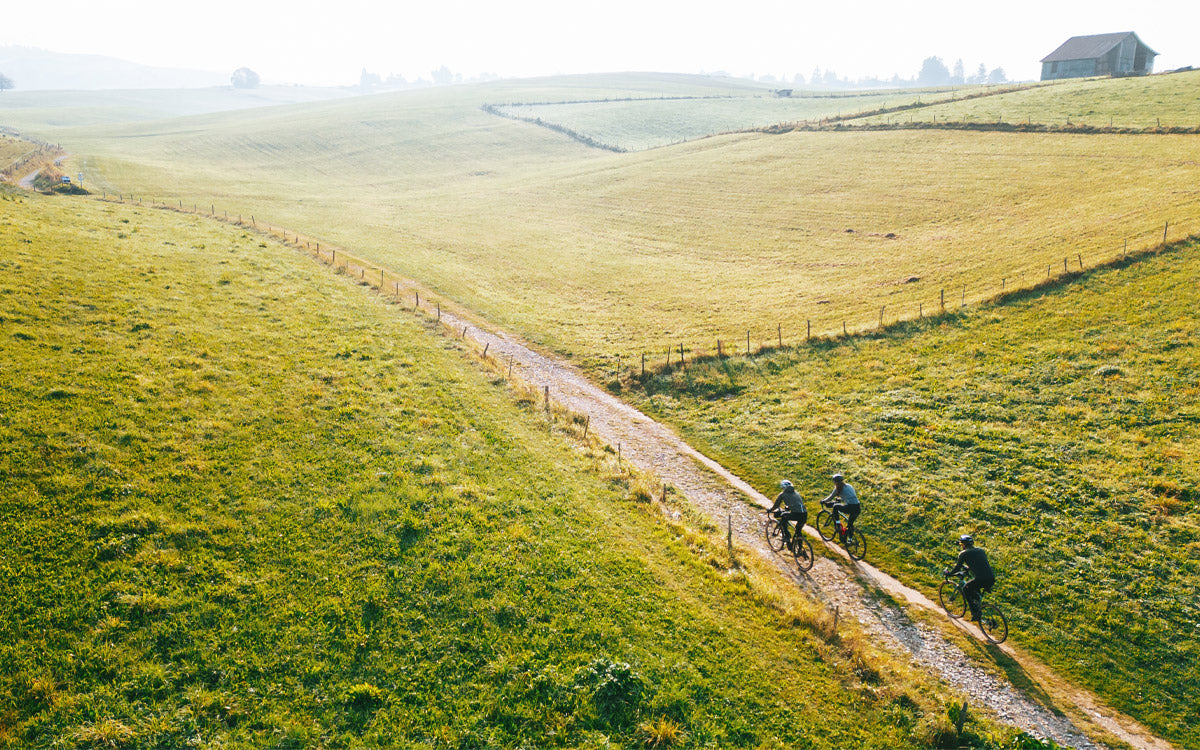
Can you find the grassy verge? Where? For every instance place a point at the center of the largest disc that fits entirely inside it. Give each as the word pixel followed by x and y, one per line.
pixel 1061 428
pixel 248 504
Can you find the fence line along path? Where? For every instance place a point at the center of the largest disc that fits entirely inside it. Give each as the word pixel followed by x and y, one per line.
pixel 722 496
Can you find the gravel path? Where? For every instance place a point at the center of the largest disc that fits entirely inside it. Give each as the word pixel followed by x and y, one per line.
pixel 838 583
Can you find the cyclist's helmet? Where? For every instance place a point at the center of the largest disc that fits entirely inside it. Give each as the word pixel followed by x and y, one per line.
pixel 967 539
pixel 785 484
pixel 837 476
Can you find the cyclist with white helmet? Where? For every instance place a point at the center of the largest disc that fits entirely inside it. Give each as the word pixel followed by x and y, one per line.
pixel 843 500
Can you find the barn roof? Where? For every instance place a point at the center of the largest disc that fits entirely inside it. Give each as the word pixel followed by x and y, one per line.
pixel 1089 47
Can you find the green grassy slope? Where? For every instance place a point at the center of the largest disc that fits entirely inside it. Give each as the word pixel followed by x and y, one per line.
pixel 49 110
pixel 248 503
pixel 640 123
pixel 1170 100
pixel 681 245
pixel 1062 429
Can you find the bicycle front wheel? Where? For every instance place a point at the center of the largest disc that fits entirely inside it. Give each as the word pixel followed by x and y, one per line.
pixel 825 525
pixel 774 534
pixel 952 599
pixel 993 623
pixel 856 545
pixel 803 552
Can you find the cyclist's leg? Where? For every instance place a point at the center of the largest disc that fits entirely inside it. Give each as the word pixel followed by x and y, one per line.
pixel 972 593
pixel 852 512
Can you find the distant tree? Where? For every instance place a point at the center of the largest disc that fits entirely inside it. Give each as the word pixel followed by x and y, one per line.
pixel 443 76
pixel 244 78
pixel 798 79
pixel 980 75
pixel 933 72
pixel 997 76
pixel 958 77
pixel 831 79
pixel 816 76
pixel 5 82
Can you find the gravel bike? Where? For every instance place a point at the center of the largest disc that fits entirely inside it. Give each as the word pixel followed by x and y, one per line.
pixel 953 599
pixel 800 547
pixel 833 524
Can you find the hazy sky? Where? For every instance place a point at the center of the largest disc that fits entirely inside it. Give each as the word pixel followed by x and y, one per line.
pixel 329 43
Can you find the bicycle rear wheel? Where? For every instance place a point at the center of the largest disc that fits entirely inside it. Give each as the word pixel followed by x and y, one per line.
pixel 952 599
pixel 824 525
pixel 803 552
pixel 993 623
pixel 774 534
pixel 856 545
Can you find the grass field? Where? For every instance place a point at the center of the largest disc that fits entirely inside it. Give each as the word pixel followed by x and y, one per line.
pixel 600 255
pixel 47 110
pixel 1169 100
pixel 603 255
pixel 248 503
pixel 1062 429
pixel 636 124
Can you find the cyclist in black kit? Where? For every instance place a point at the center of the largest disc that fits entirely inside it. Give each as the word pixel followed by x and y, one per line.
pixel 793 510
pixel 975 560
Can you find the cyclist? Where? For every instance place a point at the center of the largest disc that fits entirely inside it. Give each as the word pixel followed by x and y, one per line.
pixel 975 560
pixel 793 510
pixel 846 502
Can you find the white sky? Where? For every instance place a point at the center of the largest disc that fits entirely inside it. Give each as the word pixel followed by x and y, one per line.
pixel 328 43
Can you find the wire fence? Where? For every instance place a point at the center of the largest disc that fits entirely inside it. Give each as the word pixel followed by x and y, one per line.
pixel 752 340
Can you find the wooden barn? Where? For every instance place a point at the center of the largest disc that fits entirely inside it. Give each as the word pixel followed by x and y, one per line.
pixel 1099 55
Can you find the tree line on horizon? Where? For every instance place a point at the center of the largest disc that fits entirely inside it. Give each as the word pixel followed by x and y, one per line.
pixel 933 72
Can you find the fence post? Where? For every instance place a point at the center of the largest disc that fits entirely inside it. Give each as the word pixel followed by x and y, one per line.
pixel 881 315
pixel 1064 265
pixel 779 330
pixel 747 343
pixel 643 364
pixel 547 398
pixel 587 422
pixel 1165 226
pixel 943 299
pixel 808 329
pixel 418 305
pixel 439 311
pixel 1079 256
pixel 964 297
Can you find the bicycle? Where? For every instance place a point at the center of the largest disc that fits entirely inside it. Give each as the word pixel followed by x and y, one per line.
pixel 953 598
pixel 828 527
pixel 800 547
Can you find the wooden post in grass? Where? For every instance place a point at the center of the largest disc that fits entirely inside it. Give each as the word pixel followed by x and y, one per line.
pixel 439 311
pixel 807 329
pixel 1165 226
pixel 779 330
pixel 547 398
pixel 1079 256
pixel 485 348
pixel 587 422
pixel 643 365
pixel 1125 249
pixel 681 354
pixel 395 284
pixel 747 343
pixel 418 294
pixel 964 297
pixel 1002 281
pixel 920 309
pixel 1047 270
pixel 1064 265
pixel 510 361
pixel 253 223
pixel 881 315
pixel 381 278
pixel 943 299
pixel 729 537
pixel 844 331
pixel 720 351
pixel 213 209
